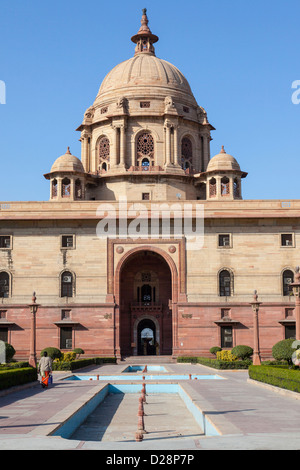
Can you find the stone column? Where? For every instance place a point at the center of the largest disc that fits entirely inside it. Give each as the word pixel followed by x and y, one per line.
pixel 175 160
pixel 168 143
pixel 256 352
pixel 33 309
pixel 85 151
pixel 72 188
pixel 122 146
pixel 114 159
pixel 133 150
pixel 59 187
pixel 218 188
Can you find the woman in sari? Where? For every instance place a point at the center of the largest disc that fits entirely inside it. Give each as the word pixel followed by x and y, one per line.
pixel 45 367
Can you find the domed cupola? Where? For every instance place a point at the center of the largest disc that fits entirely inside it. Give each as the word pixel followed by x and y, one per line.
pixel 67 178
pixel 223 177
pixel 145 123
pixel 144 39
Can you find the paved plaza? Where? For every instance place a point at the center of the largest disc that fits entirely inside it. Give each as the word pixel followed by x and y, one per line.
pixel 248 416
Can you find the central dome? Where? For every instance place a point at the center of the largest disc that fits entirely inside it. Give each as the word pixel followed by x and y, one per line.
pixel 145 70
pixel 145 75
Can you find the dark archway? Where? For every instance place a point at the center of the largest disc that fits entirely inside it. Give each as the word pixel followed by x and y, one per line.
pixel 146 338
pixel 145 293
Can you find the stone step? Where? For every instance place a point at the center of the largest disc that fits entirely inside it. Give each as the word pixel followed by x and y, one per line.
pixel 147 360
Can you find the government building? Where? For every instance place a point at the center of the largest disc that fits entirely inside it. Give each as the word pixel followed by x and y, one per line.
pixel 146 246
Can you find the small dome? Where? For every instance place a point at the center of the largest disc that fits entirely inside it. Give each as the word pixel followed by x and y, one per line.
pixel 67 163
pixel 223 161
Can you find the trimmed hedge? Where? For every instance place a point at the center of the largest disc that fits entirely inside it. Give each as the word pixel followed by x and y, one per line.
pixel 10 378
pixel 14 365
pixel 215 363
pixel 79 363
pixel 288 379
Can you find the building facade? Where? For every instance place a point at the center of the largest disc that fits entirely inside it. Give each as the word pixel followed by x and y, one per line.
pixel 146 245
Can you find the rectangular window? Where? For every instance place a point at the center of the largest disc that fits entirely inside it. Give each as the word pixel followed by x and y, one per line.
pixel 145 104
pixel 186 109
pixel 68 241
pixel 289 312
pixel 290 332
pixel 66 337
pixel 5 241
pixel 225 312
pixel 104 110
pixel 287 239
pixel 146 196
pixel 226 337
pixel 65 314
pixel 4 334
pixel 3 314
pixel 224 240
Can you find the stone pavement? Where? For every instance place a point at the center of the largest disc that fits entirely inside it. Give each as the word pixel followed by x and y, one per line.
pixel 250 416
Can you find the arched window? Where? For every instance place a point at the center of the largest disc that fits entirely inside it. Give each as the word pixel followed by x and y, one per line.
pixel 66 187
pixel 54 188
pixel 225 283
pixel 104 152
pixel 212 187
pixel 67 284
pixel 186 153
pixel 236 188
pixel 225 186
pixel 4 284
pixel 146 293
pixel 145 149
pixel 78 189
pixel 287 279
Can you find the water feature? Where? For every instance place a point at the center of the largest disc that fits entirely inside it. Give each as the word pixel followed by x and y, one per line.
pixel 165 377
pixel 202 424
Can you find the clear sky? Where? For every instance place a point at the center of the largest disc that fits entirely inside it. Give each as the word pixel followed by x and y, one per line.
pixel 239 57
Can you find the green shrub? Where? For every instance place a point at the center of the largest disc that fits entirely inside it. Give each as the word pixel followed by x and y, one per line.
pixel 79 363
pixel 226 356
pixel 78 352
pixel 242 351
pixel 13 377
pixel 215 363
pixel 279 377
pixel 282 351
pixel 215 349
pixel 54 353
pixel 9 352
pixel 14 365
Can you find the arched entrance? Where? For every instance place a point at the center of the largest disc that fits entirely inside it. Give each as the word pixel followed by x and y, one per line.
pixel 145 297
pixel 146 338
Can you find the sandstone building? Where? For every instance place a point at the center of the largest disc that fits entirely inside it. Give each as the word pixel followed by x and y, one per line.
pixel 146 147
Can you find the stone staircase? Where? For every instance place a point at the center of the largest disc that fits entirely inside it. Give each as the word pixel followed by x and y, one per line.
pixel 147 360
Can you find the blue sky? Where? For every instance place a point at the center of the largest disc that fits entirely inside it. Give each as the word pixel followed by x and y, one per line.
pixel 239 57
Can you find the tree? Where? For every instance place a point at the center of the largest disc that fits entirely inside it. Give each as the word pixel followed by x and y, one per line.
pixel 282 351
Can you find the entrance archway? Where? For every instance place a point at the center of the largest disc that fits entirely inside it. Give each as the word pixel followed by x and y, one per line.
pixel 145 297
pixel 146 338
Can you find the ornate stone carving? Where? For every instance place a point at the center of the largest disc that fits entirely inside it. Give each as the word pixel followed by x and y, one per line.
pixel 122 104
pixel 169 104
pixel 202 115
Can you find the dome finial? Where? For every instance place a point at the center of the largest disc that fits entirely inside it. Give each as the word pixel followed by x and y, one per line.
pixel 222 150
pixel 144 39
pixel 68 151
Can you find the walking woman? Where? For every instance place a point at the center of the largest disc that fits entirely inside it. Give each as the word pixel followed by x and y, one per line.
pixel 45 367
